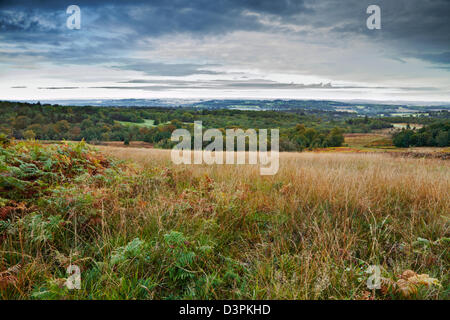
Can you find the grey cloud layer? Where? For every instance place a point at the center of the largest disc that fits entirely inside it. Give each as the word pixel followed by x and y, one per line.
pixel 420 26
pixel 162 85
pixel 112 31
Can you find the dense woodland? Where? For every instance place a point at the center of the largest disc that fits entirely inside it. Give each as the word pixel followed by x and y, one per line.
pixel 298 130
pixel 433 135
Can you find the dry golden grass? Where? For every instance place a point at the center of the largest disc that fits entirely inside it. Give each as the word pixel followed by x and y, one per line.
pixel 150 229
pixel 367 180
pixel 326 213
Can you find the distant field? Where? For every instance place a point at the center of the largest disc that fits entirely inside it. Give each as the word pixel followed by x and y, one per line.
pixel 378 142
pixel 147 123
pixel 405 125
pixel 363 139
pixel 369 142
pixel 133 144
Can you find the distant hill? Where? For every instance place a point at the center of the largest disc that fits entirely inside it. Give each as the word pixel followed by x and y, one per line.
pixel 371 108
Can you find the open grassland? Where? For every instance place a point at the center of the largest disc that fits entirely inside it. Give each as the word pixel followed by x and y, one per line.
pixel 381 142
pixel 148 229
pixel 368 141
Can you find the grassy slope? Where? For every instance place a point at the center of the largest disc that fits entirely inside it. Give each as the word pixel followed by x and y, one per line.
pixel 153 230
pixel 379 141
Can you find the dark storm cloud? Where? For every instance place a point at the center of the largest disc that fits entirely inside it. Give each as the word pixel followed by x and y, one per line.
pixel 13 22
pixel 160 16
pixel 285 7
pixel 109 29
pixel 416 28
pixel 412 28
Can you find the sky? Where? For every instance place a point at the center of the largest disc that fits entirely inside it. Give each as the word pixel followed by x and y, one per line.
pixel 251 49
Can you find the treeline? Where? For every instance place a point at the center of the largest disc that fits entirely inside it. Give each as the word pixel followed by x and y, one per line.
pixel 424 118
pixel 300 137
pixel 366 124
pixel 54 122
pixel 433 135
